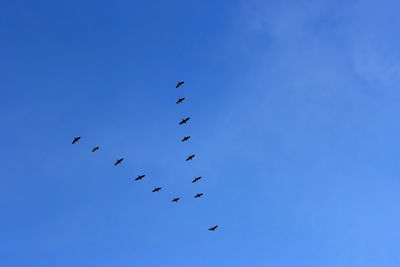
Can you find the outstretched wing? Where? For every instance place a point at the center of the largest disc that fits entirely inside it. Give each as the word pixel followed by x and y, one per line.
pixel 179 84
pixel 196 179
pixel 213 228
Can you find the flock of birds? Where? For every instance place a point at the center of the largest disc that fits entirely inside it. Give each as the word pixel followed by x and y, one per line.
pixel 184 139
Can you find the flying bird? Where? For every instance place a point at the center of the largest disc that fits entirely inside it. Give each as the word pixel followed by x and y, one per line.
pixel 198 195
pixel 180 100
pixel 179 84
pixel 156 189
pixel 118 161
pixel 185 138
pixel 213 228
pixel 190 157
pixel 140 177
pixel 95 149
pixel 183 121
pixel 196 179
pixel 76 139
pixel 175 199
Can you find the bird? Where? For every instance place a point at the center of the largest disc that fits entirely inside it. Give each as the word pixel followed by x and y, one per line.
pixel 198 195
pixel 156 189
pixel 180 100
pixel 95 148
pixel 179 84
pixel 196 179
pixel 190 157
pixel 185 138
pixel 175 199
pixel 76 139
pixel 118 161
pixel 184 121
pixel 213 228
pixel 140 177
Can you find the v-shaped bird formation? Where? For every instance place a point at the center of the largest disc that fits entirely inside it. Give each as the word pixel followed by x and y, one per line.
pixel 189 157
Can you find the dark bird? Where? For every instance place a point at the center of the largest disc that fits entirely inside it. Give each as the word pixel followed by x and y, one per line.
pixel 179 84
pixel 213 228
pixel 190 157
pixel 76 139
pixel 184 121
pixel 185 138
pixel 175 199
pixel 118 161
pixel 95 149
pixel 196 179
pixel 140 177
pixel 180 100
pixel 156 189
pixel 198 195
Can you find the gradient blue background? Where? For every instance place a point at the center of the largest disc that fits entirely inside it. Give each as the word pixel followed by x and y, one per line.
pixel 295 127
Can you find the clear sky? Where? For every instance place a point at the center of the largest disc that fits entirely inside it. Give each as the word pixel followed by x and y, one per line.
pixel 295 126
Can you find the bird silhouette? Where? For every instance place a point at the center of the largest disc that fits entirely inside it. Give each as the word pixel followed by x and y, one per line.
pixel 183 121
pixel 190 157
pixel 179 84
pixel 196 179
pixel 76 139
pixel 156 189
pixel 198 195
pixel 175 199
pixel 140 177
pixel 95 149
pixel 118 161
pixel 185 138
pixel 213 228
pixel 180 100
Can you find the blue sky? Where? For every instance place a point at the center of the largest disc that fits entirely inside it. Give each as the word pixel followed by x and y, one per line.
pixel 294 108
